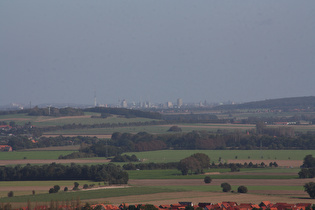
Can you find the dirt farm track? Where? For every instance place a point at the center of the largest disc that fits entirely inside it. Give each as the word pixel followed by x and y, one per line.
pixel 289 196
pixel 215 197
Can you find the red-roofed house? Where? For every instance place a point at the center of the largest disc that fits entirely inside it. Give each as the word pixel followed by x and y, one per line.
pixel 5 148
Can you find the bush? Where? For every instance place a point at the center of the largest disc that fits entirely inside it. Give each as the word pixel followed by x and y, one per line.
pixel 51 190
pixel 242 189
pixel 10 194
pixel 56 188
pixel 310 189
pixel 76 186
pixel 65 189
pixel 226 187
pixel 85 186
pixel 207 179
pixel 175 129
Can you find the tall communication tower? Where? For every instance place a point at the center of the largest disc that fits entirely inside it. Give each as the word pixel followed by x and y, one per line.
pixel 95 98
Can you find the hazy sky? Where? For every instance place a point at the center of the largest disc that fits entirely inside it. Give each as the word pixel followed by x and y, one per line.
pixel 63 51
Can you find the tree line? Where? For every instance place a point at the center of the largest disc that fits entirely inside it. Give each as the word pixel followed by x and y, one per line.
pixel 143 141
pixel 128 113
pixel 25 142
pixel 195 164
pixel 110 173
pixel 56 112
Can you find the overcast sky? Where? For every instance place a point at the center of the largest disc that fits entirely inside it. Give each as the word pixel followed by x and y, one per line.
pixel 63 51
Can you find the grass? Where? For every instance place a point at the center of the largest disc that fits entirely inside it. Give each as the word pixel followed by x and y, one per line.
pixel 106 193
pixel 164 156
pixel 109 131
pixel 176 174
pixel 42 121
pixel 85 195
pixel 37 155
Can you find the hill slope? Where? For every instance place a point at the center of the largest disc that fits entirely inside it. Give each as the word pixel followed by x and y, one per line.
pixel 307 102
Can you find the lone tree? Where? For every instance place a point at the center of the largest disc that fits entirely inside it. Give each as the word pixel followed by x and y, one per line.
pixel 242 189
pixel 175 128
pixel 10 194
pixel 207 179
pixel 310 189
pixel 76 186
pixel 189 164
pixel 195 164
pixel 226 187
pixel 56 188
pixel 308 167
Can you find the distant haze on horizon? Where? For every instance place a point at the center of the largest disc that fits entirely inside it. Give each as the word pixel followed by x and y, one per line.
pixel 65 51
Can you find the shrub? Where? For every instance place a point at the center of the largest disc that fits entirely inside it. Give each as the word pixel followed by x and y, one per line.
pixel 65 189
pixel 10 194
pixel 207 179
pixel 226 187
pixel 76 186
pixel 56 188
pixel 85 186
pixel 242 189
pixel 51 190
pixel 175 129
pixel 310 189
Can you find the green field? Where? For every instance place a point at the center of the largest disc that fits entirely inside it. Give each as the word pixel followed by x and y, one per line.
pixel 91 194
pixel 125 191
pixel 176 174
pixel 165 156
pixel 109 131
pixel 42 121
pixel 37 155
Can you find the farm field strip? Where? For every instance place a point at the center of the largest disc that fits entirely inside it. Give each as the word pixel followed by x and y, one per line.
pixel 86 119
pixel 110 131
pixel 88 194
pixel 174 174
pixel 266 156
pixel 154 190
pixel 38 155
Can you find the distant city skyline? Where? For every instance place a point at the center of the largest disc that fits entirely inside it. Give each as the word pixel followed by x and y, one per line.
pixel 158 51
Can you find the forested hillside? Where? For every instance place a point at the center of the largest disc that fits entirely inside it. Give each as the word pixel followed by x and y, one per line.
pixel 282 103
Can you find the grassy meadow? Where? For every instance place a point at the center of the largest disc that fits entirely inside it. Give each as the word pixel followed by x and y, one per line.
pixel 85 119
pixel 36 155
pixel 164 156
pixel 88 194
pixel 216 174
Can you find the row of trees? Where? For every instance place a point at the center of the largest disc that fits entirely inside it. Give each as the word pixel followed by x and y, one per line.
pixel 142 141
pixel 206 140
pixel 125 158
pixel 100 125
pixel 110 173
pixel 56 112
pixel 24 142
pixel 128 113
pixel 176 165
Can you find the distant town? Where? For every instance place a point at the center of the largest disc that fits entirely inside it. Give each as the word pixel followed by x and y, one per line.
pixel 179 103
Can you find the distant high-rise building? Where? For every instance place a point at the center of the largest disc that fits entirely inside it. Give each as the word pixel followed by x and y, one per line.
pixel 124 103
pixel 169 104
pixel 179 102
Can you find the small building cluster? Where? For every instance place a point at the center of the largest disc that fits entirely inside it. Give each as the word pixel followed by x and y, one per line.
pixel 264 205
pixel 5 148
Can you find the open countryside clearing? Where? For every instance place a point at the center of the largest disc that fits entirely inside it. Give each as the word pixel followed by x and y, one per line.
pixel 255 196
